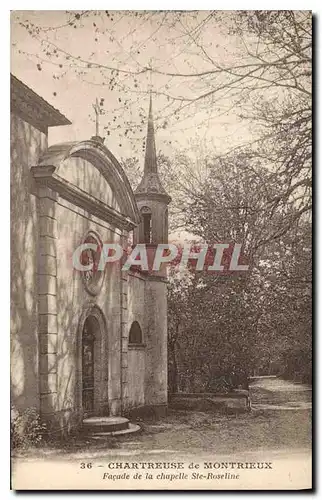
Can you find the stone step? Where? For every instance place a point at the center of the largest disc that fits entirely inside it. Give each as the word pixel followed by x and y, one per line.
pixel 94 425
pixel 133 428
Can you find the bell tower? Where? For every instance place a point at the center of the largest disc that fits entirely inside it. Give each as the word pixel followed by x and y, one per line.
pixel 151 197
pixel 153 201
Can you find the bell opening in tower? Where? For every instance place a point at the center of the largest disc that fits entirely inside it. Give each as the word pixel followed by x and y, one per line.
pixel 147 228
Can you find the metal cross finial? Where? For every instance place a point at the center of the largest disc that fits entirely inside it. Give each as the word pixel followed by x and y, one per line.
pixel 150 85
pixel 97 110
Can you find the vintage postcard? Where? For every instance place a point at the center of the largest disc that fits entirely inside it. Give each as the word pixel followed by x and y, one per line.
pixel 161 255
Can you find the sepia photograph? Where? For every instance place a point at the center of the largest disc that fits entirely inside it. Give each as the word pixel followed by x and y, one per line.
pixel 161 250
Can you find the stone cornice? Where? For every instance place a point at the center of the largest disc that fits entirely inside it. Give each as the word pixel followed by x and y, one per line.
pixel 47 176
pixel 33 108
pixel 163 197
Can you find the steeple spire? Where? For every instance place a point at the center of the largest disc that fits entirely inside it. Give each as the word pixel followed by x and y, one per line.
pixel 150 162
pixel 151 197
pixel 150 183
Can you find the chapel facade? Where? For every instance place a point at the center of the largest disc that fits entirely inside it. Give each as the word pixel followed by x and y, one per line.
pixel 82 343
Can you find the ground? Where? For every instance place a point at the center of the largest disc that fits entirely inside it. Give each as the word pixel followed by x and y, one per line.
pixel 277 428
pixel 280 420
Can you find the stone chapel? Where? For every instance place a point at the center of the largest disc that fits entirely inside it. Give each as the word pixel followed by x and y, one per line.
pixel 82 344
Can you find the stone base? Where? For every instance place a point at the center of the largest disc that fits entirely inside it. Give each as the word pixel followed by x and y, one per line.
pixel 105 424
pixel 148 412
pixel 101 427
pixel 233 402
pixel 132 429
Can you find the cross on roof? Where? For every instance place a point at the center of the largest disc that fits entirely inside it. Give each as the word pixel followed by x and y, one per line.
pixel 150 86
pixel 97 110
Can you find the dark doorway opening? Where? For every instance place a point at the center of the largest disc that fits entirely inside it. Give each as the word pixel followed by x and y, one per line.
pixel 88 340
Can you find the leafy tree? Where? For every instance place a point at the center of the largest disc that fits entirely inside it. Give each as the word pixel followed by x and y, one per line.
pixel 230 325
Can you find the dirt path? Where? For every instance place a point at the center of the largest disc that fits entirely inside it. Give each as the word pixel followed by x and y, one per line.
pixel 269 393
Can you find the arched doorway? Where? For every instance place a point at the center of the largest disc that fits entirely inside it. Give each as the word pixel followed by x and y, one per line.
pixel 92 363
pixel 88 363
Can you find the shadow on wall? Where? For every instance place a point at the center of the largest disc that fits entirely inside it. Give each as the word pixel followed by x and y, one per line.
pixel 27 143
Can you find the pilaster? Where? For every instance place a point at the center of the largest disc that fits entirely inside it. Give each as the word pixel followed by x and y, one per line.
pixel 47 301
pixel 124 331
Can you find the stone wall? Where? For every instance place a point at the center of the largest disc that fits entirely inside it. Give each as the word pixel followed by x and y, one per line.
pixel 155 327
pixel 27 144
pixel 147 364
pixel 136 376
pixel 135 355
pixel 232 402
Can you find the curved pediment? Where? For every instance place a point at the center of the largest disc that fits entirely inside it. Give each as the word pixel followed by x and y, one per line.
pixel 87 173
pixel 83 174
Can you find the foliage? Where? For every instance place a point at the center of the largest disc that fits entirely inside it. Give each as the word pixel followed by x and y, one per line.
pixel 232 325
pixel 26 428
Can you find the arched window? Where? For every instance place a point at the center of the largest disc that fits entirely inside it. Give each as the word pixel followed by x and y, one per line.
pixel 146 217
pixel 135 336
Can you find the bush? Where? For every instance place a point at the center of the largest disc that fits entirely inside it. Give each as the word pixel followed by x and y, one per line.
pixel 26 428
pixel 220 384
pixel 298 365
